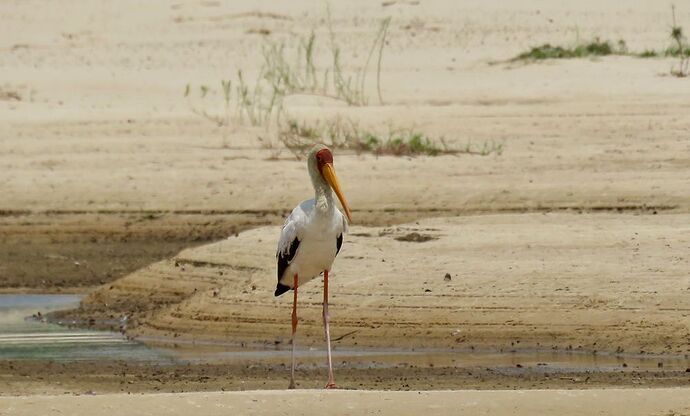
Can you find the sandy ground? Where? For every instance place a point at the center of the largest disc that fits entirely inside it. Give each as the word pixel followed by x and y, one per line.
pixel 101 149
pixel 574 238
pixel 550 281
pixel 495 403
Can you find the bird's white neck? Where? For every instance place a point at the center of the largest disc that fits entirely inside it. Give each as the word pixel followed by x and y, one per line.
pixel 323 194
pixel 323 197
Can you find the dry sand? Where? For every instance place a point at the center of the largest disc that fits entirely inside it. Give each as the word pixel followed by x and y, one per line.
pixel 594 282
pixel 102 149
pixel 631 402
pixel 576 237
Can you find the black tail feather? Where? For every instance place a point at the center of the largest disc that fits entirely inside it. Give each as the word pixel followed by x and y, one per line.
pixel 280 289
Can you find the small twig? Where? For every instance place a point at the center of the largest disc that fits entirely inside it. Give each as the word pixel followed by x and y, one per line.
pixel 345 335
pixel 384 31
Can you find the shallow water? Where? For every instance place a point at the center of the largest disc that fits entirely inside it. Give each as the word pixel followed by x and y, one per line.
pixel 25 335
pixel 549 361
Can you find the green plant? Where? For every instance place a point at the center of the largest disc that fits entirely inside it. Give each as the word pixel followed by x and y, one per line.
pixel 676 52
pixel 283 73
pixel 301 74
pixel 648 53
pixel 597 47
pixel 338 133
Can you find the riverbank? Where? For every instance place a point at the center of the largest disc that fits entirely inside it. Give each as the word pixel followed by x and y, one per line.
pixel 560 216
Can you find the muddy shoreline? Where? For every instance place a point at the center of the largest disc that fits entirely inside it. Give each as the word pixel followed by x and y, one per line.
pixel 75 252
pixel 21 377
pixel 63 252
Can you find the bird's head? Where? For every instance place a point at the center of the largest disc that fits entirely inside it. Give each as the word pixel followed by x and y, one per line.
pixel 320 161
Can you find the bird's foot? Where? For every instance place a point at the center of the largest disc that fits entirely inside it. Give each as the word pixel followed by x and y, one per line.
pixel 330 385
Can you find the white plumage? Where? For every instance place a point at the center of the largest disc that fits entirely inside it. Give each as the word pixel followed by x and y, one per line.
pixel 309 241
pixel 318 231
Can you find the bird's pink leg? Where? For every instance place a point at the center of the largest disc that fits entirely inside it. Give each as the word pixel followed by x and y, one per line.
pixel 294 330
pixel 326 319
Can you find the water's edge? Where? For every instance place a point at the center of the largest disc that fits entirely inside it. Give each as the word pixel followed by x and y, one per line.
pixel 26 334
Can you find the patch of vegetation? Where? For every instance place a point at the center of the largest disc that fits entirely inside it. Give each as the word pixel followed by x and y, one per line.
pixel 257 104
pixel 648 53
pixel 677 52
pixel 289 71
pixel 338 133
pixel 680 49
pixel 402 143
pixel 347 88
pixel 670 52
pixel 596 47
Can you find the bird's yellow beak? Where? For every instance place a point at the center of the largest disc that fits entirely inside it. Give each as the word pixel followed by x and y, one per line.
pixel 328 173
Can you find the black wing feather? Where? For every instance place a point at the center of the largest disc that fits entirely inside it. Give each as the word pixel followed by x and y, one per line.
pixel 338 244
pixel 283 263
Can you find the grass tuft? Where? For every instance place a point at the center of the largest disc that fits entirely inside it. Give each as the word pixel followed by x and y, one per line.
pixel 677 52
pixel 338 133
pixel 680 49
pixel 648 53
pixel 288 71
pixel 595 48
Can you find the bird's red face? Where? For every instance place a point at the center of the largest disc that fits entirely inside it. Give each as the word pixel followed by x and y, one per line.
pixel 323 156
pixel 324 161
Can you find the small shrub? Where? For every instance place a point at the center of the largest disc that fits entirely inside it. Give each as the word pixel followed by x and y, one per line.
pixel 339 133
pixel 648 53
pixel 595 48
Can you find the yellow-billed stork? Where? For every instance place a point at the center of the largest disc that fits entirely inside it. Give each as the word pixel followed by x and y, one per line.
pixel 309 241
